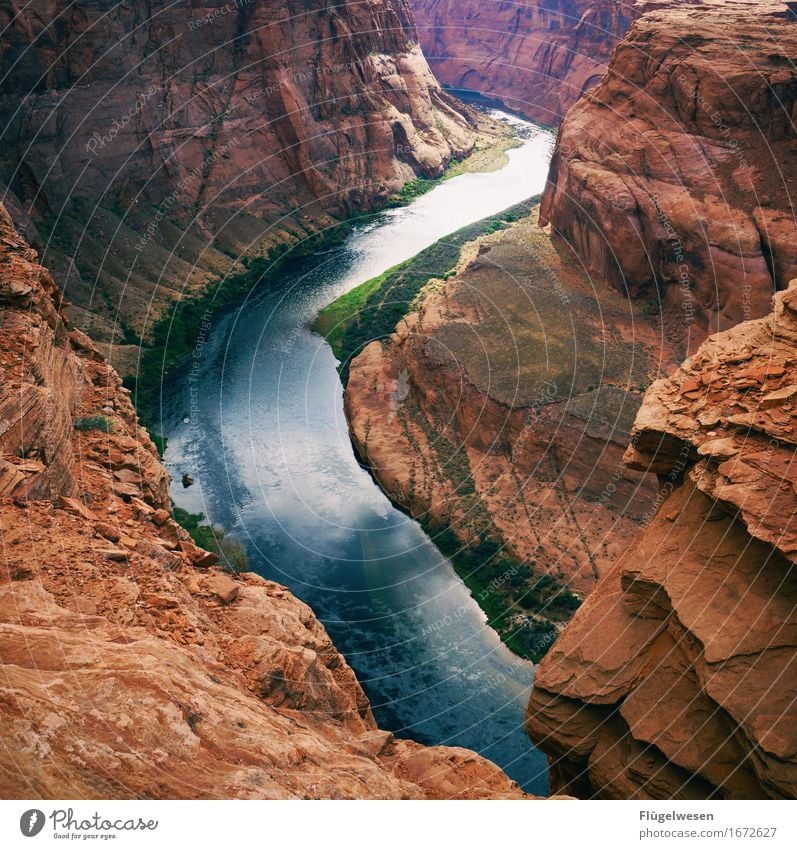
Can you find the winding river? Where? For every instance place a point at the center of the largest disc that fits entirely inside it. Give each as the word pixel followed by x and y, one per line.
pixel 265 439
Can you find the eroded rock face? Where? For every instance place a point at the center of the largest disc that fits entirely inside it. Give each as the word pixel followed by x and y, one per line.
pixel 691 689
pixel 537 57
pixel 132 666
pixel 673 179
pixel 147 147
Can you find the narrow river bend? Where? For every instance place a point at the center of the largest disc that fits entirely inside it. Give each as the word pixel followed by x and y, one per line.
pixel 266 442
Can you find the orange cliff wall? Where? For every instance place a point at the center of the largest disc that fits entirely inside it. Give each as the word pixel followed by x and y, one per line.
pixel 690 691
pixel 537 57
pixel 674 179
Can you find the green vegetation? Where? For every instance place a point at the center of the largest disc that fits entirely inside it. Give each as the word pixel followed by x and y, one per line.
pixel 413 189
pixel 332 321
pixel 372 310
pixel 524 603
pixel 489 154
pixel 184 325
pixel 384 301
pixel 160 443
pixel 231 552
pixel 519 605
pixel 176 333
pixel 102 423
pixel 575 337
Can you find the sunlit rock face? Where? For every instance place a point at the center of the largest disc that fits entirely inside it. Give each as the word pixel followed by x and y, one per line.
pixel 676 679
pixel 145 147
pixel 674 178
pixel 500 410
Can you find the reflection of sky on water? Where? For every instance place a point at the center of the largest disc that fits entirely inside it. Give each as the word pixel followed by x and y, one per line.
pixel 269 449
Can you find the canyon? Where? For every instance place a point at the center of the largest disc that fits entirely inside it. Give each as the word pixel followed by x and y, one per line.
pixel 631 512
pixel 133 665
pixel 680 145
pixel 499 411
pixel 490 413
pixel 147 150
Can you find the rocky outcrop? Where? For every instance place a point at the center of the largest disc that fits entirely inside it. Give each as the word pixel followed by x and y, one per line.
pixel 132 666
pixel 673 179
pixel 146 148
pixel 536 57
pixel 499 411
pixel 690 691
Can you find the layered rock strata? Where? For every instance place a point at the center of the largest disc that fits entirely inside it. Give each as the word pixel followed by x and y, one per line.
pixel 673 179
pixel 131 665
pixel 690 691
pixel 145 148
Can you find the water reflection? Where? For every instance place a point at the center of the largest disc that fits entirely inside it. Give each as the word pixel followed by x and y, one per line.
pixel 267 444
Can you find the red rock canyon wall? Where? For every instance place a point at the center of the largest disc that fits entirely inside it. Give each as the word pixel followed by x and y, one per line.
pixel 145 147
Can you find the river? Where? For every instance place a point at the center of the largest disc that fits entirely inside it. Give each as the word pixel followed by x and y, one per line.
pixel 265 439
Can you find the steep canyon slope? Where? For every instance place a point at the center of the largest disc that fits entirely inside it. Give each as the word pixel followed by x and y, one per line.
pixel 691 690
pixel 674 178
pixel 146 147
pixel 537 57
pixel 131 665
pixel 499 410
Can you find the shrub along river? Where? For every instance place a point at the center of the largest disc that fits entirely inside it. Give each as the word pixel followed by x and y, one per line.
pixel 260 427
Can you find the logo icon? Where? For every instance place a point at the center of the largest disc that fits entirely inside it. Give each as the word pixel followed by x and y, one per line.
pixel 31 822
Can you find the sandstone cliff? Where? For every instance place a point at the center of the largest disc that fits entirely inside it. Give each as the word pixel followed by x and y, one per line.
pixel 499 411
pixel 536 57
pixel 131 665
pixel 145 147
pixel 673 179
pixel 691 689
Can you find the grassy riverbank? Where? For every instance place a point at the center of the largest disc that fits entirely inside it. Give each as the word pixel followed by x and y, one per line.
pixel 372 310
pixel 496 581
pixel 183 326
pixel 489 154
pixel 525 601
